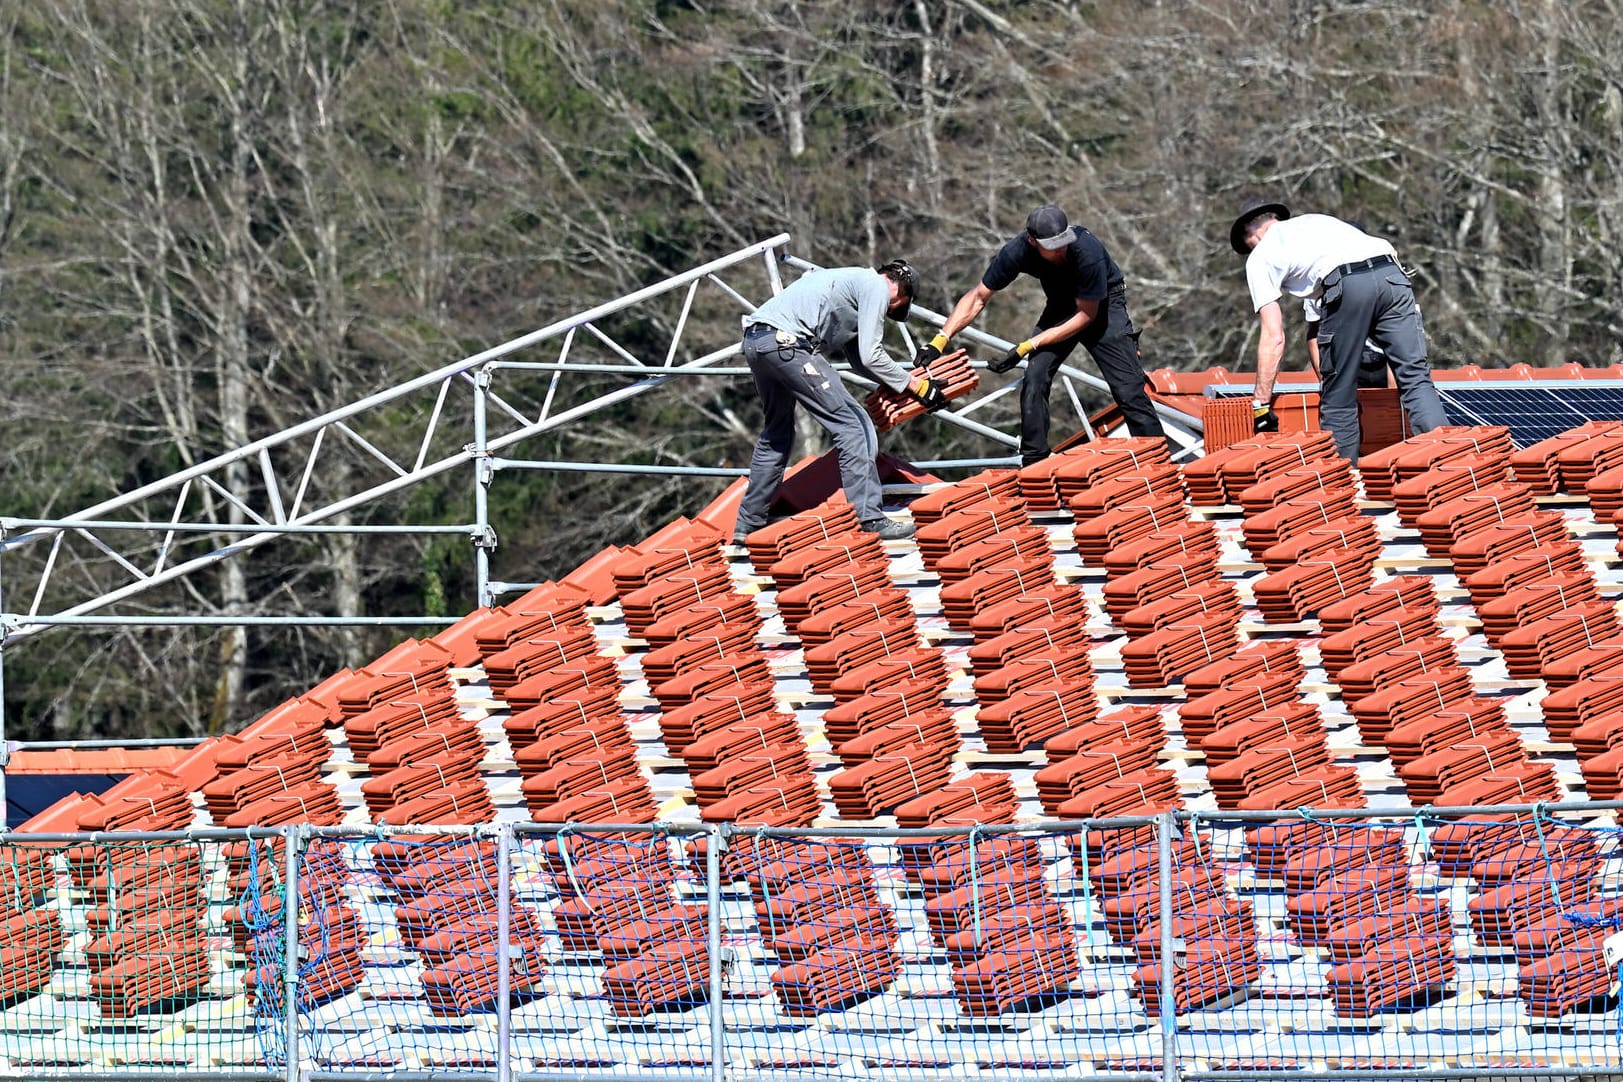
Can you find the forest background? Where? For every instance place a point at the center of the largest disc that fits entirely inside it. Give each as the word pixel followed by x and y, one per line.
pixel 221 217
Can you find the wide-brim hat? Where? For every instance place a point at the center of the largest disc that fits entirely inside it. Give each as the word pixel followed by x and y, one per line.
pixel 1250 209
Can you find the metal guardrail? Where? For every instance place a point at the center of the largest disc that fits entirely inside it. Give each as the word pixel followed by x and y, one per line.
pixel 525 900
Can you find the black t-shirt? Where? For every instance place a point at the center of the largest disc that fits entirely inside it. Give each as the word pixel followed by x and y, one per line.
pixel 1086 274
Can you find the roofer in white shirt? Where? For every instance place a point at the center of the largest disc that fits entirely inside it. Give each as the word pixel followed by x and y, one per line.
pixel 1352 288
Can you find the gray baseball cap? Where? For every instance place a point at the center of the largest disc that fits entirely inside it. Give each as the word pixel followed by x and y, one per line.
pixel 1049 228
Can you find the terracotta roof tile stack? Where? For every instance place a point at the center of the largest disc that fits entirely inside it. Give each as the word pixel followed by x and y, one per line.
pixel 30 929
pixel 992 911
pixel 1580 461
pixel 1356 535
pixel 592 671
pixel 1313 583
pixel 1452 479
pixel 1298 480
pixel 1538 464
pixel 1534 600
pixel 951 372
pixel 544 609
pixel 622 902
pixel 535 654
pixel 876 786
pixel 1033 714
pixel 826 555
pixel 672 592
pixel 1412 593
pixel 1530 648
pixel 1446 524
pixel 1074 775
pixel 1056 601
pixel 827 589
pixel 1523 568
pixel 713 711
pixel 984 487
pixel 1130 724
pixel 854 648
pixel 1017 545
pixel 1427 777
pixel 819 910
pixel 1209 597
pixel 1140 517
pixel 1605 492
pixel 1036 635
pixel 933 729
pixel 898 702
pixel 1570 707
pixel 1165 655
pixel 667 662
pixel 1153 581
pixel 1414 696
pixel 666 553
pixel 1375 635
pixel 1220 931
pixel 921 664
pixel 1183 539
pixel 773 542
pixel 998 582
pixel 1288 722
pixel 939 539
pixel 1261 656
pixel 1091 502
pixel 1470 719
pixel 1237 700
pixel 1423 655
pixel 990 793
pixel 1333 786
pixel 886 604
pixel 1275 453
pixel 1085 466
pixel 1219 477
pixel 1532 532
pixel 1392 972
pixel 1382 470
pixel 1297 515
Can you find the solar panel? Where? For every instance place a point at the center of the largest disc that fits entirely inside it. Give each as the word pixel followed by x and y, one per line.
pixel 1535 411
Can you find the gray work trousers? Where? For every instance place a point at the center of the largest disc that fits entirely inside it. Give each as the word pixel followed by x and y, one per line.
pixel 1376 303
pixel 788 373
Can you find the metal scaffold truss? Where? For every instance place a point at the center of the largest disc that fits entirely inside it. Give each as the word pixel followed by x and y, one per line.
pixel 343 471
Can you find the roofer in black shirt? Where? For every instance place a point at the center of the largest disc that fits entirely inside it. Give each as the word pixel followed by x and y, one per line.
pixel 1086 303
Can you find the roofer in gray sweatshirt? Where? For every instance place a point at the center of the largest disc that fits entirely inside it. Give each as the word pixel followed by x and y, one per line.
pixel 790 344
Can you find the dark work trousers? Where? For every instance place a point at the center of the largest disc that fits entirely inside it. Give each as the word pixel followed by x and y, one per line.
pixel 1112 342
pixel 1376 303
pixel 788 372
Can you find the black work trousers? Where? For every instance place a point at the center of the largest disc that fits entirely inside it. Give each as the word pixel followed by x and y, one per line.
pixel 1112 342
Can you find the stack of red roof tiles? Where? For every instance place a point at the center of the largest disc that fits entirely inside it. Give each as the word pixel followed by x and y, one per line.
pixel 896 720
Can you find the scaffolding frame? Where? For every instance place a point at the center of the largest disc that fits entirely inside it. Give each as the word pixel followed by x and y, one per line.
pixel 200 516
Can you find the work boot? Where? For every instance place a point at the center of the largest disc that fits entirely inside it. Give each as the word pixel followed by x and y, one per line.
pixel 889 529
pixel 741 533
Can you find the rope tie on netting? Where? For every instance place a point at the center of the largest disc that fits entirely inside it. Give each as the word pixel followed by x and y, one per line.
pixel 569 861
pixel 1422 838
pixel 1540 813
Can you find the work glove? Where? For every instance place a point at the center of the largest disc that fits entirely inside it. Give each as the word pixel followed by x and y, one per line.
pixel 1263 417
pixel 1011 358
pixel 928 393
pixel 931 353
